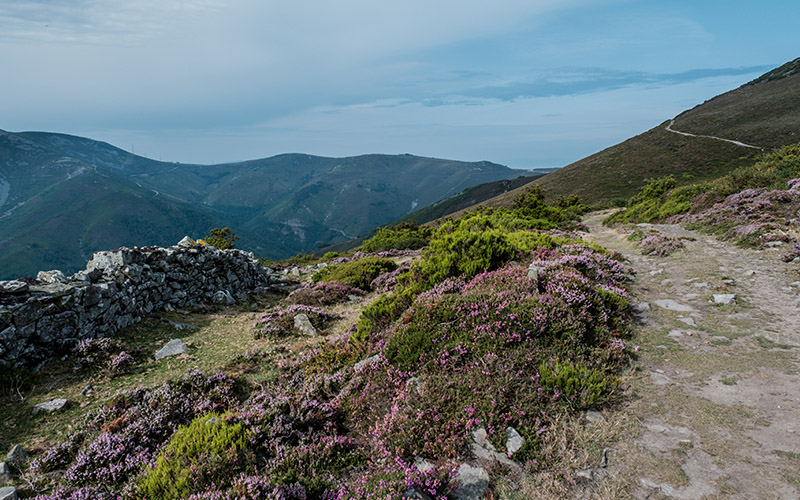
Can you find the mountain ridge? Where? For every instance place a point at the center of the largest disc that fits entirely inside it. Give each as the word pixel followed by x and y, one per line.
pixel 279 206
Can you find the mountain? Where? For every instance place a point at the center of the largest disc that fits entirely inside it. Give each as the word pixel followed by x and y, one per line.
pixel 63 197
pixel 764 113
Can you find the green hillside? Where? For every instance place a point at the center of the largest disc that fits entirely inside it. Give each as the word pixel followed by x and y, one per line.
pixel 764 112
pixel 63 197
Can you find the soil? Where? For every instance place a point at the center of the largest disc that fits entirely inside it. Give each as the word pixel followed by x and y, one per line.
pixel 715 395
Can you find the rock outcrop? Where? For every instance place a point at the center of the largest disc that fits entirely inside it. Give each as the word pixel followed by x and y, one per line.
pixel 44 317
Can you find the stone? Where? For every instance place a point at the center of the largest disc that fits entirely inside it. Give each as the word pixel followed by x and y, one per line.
pixel 5 472
pixel 472 483
pixel 416 493
pixel 673 305
pixel 687 321
pixel 595 417
pixel 223 297
pixel 604 460
pixel 675 334
pixel 642 307
pixel 514 440
pixel 87 390
pixel 482 448
pixel 187 242
pixel 8 493
pixel 303 325
pixel 17 456
pixel 366 362
pixel 422 465
pixel 51 406
pixel 533 272
pixel 183 326
pixel 724 298
pixel 585 475
pixel 295 271
pixel 54 276
pixel 659 378
pixel 13 286
pixel 173 348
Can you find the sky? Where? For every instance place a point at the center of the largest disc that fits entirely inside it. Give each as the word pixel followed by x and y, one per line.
pixel 524 83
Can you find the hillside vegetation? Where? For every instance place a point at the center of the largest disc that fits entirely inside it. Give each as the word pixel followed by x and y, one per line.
pixel 503 328
pixel 764 112
pixel 754 205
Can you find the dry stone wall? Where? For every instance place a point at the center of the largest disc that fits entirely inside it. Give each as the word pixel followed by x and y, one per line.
pixel 45 317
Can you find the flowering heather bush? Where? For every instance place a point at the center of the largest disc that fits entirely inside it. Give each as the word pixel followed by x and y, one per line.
pixel 386 282
pixel 659 245
pixel 752 217
pixel 93 353
pixel 452 359
pixel 279 321
pixel 323 294
pixel 128 431
pixel 89 493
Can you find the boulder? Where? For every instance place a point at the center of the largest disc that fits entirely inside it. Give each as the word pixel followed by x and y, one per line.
pixel 54 276
pixel 223 297
pixel 5 473
pixel 187 242
pixel 17 456
pixel 533 272
pixel 472 483
pixel 724 298
pixel 8 493
pixel 514 440
pixel 173 348
pixel 51 406
pixel 303 325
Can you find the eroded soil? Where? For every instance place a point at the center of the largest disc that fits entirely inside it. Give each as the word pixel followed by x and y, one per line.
pixel 716 392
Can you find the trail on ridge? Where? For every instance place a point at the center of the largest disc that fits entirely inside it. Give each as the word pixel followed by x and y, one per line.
pixel 715 398
pixel 687 134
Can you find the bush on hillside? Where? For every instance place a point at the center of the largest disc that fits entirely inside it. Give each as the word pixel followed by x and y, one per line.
pixel 357 273
pixel 223 239
pixel 406 236
pixel 209 452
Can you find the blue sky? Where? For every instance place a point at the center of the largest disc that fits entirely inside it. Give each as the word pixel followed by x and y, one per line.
pixel 525 83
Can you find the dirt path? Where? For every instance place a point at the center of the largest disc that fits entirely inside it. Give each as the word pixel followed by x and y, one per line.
pixel 687 134
pixel 715 400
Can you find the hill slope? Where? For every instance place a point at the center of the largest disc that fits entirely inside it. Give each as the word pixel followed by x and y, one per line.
pixel 64 197
pixel 764 112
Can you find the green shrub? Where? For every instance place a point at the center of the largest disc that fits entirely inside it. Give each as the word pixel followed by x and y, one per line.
pixel 582 387
pixel 358 273
pixel 222 238
pixel 209 450
pixel 407 236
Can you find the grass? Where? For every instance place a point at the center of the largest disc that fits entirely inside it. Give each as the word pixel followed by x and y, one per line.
pixel 221 338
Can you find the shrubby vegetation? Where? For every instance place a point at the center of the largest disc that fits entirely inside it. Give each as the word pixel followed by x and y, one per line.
pixel 752 205
pixel 357 273
pixel 223 239
pixel 506 320
pixel 406 236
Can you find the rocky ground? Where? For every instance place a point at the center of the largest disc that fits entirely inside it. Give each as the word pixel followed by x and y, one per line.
pixel 714 399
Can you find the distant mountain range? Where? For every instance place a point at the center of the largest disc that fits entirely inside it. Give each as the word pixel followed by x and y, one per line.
pixel 764 113
pixel 63 197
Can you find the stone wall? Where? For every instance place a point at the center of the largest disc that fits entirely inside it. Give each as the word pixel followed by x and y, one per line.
pixel 43 318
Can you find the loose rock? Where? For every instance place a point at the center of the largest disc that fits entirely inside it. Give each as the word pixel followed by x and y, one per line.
pixel 724 298
pixel 8 493
pixel 303 325
pixel 514 440
pixel 5 472
pixel 17 456
pixel 223 297
pixel 472 483
pixel 51 406
pixel 173 348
